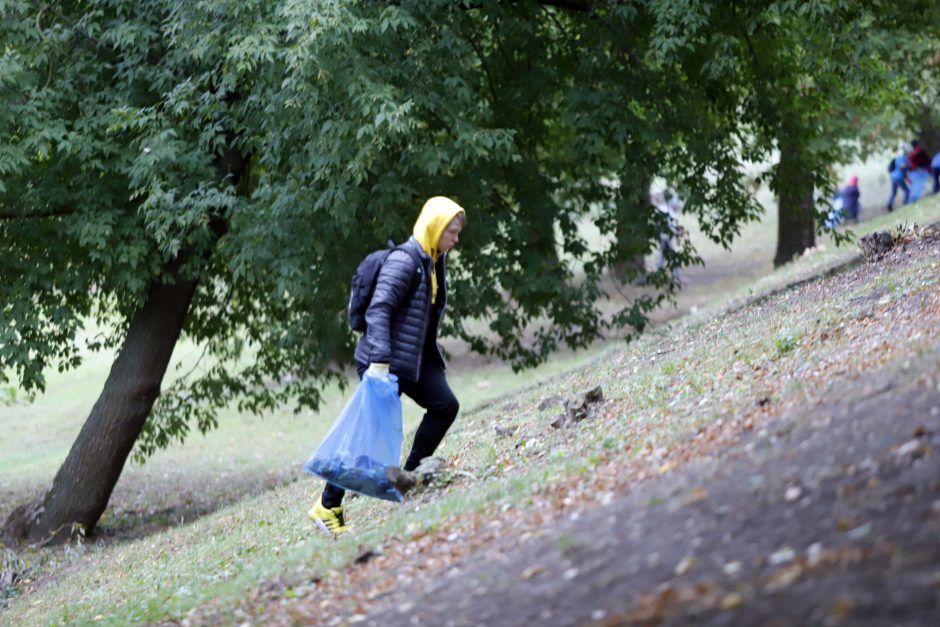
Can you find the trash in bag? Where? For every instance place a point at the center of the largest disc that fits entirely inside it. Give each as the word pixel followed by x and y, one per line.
pixel 364 441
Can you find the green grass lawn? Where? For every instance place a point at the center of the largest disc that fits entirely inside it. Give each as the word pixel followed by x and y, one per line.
pixel 219 555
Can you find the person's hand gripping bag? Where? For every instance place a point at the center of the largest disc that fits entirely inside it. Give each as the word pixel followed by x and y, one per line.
pixel 364 440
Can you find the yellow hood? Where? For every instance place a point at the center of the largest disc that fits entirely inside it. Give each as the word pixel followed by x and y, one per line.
pixel 435 216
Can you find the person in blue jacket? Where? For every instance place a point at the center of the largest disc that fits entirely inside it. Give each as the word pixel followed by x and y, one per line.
pixel 402 321
pixel 899 180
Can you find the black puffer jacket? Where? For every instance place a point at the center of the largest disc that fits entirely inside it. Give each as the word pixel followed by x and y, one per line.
pixel 401 321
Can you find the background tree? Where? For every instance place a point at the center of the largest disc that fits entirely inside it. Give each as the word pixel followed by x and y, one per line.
pixel 916 55
pixel 215 170
pixel 817 68
pixel 810 76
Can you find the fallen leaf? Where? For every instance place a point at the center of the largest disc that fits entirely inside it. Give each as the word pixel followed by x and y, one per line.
pixel 860 532
pixel 732 568
pixel 912 447
pixel 814 554
pixel 532 571
pixel 670 465
pixel 731 601
pixel 703 588
pixel 685 565
pixel 843 607
pixel 783 577
pixel 782 556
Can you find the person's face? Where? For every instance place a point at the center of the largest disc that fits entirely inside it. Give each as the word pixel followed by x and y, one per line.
pixel 451 235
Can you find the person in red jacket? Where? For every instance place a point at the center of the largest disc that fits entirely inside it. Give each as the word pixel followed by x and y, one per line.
pixel 851 207
pixel 919 162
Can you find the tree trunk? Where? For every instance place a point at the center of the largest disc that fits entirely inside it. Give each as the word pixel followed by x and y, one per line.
pixel 796 219
pixel 633 269
pixel 927 128
pixel 632 238
pixel 81 489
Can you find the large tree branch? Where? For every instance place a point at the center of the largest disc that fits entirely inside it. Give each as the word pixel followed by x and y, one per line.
pixel 571 5
pixel 26 214
pixel 486 69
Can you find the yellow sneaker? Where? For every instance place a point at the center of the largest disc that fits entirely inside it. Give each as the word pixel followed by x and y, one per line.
pixel 328 519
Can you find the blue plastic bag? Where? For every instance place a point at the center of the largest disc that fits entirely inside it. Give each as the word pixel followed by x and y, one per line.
pixel 364 440
pixel 834 216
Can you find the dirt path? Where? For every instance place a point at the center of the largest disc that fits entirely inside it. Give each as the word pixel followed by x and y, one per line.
pixel 835 520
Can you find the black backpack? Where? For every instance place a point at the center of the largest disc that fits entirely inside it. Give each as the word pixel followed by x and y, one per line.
pixel 363 284
pixel 892 164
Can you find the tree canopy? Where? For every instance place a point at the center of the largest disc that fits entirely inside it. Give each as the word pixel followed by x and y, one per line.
pixel 344 116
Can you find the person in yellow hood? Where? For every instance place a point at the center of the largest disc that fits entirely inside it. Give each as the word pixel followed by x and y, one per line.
pixel 402 320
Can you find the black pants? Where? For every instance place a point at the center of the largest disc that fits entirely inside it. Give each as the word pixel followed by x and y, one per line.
pixel 431 392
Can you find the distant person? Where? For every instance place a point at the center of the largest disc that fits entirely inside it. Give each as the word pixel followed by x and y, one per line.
pixel 671 208
pixel 897 169
pixel 834 217
pixel 919 163
pixel 401 338
pixel 935 170
pixel 851 207
pixel 845 205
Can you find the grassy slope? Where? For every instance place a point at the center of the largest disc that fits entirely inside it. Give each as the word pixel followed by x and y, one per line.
pixel 221 555
pixel 39 434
